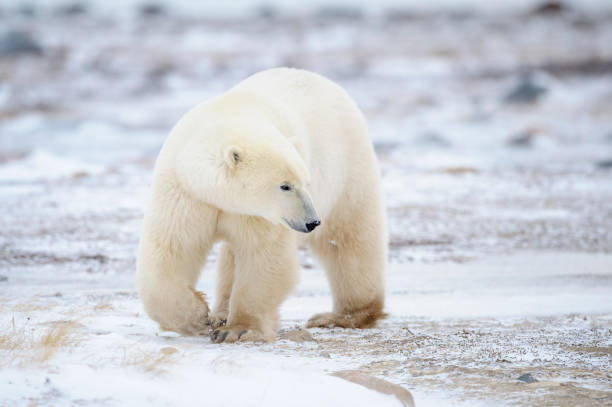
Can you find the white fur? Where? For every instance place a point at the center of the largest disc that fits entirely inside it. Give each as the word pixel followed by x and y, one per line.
pixel 218 177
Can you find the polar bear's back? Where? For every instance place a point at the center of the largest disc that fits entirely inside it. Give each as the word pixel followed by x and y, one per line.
pixel 312 96
pixel 340 154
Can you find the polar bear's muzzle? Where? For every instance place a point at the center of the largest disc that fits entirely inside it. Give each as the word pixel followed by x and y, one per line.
pixel 309 219
pixel 305 227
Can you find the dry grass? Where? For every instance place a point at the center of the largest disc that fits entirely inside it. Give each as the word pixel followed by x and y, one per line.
pixel 23 345
pixel 459 170
pixel 31 306
pixel 148 361
pixel 104 307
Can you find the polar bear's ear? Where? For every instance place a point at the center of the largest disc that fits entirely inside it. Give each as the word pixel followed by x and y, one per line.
pixel 232 156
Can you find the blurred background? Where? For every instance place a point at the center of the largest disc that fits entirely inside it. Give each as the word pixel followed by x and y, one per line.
pixel 492 122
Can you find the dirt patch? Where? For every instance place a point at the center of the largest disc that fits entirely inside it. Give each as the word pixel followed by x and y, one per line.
pixel 376 384
pixel 567 357
pixel 17 257
pixel 296 335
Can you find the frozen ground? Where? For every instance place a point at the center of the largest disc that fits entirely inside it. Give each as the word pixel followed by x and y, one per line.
pixel 494 133
pixel 458 334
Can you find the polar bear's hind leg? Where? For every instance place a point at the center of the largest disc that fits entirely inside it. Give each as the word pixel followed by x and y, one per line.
pixel 354 260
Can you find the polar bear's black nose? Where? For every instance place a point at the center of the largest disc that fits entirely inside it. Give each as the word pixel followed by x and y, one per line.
pixel 312 225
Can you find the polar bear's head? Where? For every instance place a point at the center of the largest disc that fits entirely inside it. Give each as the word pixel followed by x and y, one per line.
pixel 250 170
pixel 268 183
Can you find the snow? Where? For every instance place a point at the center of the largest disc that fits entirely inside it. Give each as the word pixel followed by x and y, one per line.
pixel 234 379
pixel 499 213
pixel 119 356
pixel 42 165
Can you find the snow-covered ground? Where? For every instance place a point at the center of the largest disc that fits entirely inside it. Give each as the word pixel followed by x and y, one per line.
pixel 493 127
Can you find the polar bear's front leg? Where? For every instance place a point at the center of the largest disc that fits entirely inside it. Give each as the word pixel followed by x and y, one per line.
pixel 177 235
pixel 166 284
pixel 265 274
pixel 225 280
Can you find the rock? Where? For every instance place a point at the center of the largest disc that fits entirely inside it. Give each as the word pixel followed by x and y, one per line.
pixel 100 258
pixel 550 8
pixel 526 378
pixel 27 10
pixel 72 9
pixel 400 15
pixel 593 66
pixel 297 335
pixel 376 384
pixel 385 146
pixel 526 137
pixel 6 156
pixel 523 140
pixel 267 12
pixel 340 13
pixel 604 164
pixel 3 278
pixel 18 42
pixel 525 92
pixel 433 139
pixel 151 10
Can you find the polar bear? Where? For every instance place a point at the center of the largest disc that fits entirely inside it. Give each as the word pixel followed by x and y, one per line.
pixel 282 159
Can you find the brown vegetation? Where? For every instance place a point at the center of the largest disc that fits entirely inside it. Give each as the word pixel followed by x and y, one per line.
pixel 147 360
pixel 30 345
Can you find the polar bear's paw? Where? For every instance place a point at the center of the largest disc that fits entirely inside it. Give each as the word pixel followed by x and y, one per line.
pixel 217 319
pixel 331 320
pixel 188 317
pixel 323 320
pixel 360 318
pixel 235 333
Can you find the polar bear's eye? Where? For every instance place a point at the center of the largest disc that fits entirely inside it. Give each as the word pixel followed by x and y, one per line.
pixel 286 187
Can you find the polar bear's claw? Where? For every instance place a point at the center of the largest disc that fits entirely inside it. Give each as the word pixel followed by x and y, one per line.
pixel 219 336
pixel 231 334
pixel 216 319
pixel 214 323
